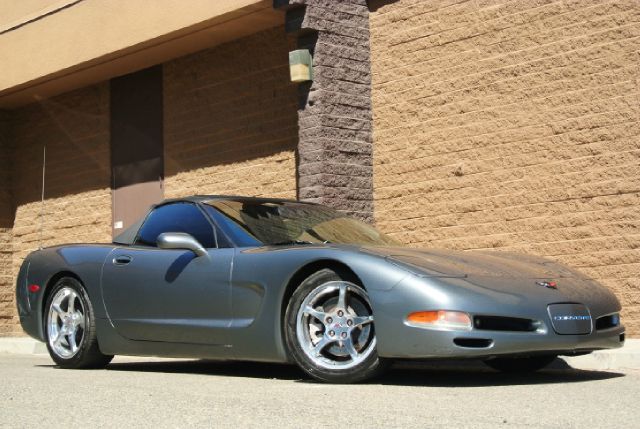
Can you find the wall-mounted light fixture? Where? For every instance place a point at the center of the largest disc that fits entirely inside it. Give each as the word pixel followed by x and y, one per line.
pixel 300 65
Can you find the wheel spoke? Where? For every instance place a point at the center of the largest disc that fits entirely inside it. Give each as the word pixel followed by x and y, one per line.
pixel 71 339
pixel 320 315
pixel 362 320
pixel 324 342
pixel 71 302
pixel 342 296
pixel 348 345
pixel 57 308
pixel 78 319
pixel 58 339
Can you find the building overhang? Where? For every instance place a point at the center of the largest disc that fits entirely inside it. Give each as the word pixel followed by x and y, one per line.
pixel 69 44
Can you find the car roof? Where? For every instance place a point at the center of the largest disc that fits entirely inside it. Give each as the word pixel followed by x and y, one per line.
pixel 128 236
pixel 238 198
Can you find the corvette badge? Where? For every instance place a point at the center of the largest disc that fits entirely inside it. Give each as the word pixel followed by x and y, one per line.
pixel 549 284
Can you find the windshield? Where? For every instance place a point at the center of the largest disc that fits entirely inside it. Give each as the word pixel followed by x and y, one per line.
pixel 255 223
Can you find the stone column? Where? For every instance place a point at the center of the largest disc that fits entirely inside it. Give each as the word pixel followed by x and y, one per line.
pixel 334 114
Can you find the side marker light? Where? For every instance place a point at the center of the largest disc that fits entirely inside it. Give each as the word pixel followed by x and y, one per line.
pixel 442 319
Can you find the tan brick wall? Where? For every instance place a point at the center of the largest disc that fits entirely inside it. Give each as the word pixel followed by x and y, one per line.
pixel 8 319
pixel 75 129
pixel 7 307
pixel 230 127
pixel 512 125
pixel 231 121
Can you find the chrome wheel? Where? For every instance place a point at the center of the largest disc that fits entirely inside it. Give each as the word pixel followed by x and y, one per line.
pixel 66 323
pixel 334 325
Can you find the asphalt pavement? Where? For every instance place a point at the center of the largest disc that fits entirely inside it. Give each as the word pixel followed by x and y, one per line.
pixel 154 393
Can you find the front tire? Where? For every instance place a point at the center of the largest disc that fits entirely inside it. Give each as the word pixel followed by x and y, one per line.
pixel 329 329
pixel 515 365
pixel 70 329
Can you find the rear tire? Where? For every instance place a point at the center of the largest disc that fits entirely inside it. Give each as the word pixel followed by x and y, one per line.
pixel 521 365
pixel 70 328
pixel 329 329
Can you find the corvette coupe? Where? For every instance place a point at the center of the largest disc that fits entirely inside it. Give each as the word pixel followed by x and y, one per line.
pixel 273 280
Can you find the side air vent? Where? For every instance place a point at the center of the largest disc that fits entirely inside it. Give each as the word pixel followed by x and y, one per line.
pixel 500 323
pixel 607 322
pixel 473 343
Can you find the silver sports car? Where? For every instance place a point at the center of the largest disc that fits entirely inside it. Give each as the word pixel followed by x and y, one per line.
pixel 284 281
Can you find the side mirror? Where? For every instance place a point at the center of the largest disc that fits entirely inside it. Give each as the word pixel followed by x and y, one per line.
pixel 180 240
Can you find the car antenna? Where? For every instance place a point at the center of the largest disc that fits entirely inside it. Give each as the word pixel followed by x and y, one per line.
pixel 44 164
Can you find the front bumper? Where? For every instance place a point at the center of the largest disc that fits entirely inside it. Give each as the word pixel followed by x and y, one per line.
pixel 415 342
pixel 396 339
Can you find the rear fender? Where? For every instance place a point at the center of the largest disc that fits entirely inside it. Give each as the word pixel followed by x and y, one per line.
pixel 45 267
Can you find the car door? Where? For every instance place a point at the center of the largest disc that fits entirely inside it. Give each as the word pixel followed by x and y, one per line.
pixel 170 295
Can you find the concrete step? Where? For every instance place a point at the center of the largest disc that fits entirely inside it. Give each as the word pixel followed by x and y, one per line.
pixel 22 346
pixel 627 357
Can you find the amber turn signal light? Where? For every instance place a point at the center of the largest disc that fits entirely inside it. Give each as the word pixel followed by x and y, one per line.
pixel 440 319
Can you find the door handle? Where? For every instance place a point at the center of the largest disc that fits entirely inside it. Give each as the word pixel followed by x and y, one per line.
pixel 122 260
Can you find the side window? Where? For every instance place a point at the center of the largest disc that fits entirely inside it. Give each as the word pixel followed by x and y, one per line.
pixel 178 217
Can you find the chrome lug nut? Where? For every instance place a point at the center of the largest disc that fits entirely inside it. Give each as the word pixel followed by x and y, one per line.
pixel 331 333
pixel 349 322
pixel 340 313
pixel 329 320
pixel 344 335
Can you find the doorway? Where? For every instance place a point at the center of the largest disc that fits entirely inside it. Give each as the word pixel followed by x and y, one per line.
pixel 137 147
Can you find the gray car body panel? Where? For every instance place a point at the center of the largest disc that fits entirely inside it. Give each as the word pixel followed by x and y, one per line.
pixel 229 304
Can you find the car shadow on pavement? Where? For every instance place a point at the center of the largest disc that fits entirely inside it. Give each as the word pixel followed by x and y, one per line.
pixel 214 368
pixel 473 373
pixel 462 373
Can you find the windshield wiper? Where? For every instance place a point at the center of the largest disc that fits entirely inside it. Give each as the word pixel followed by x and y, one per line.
pixel 284 243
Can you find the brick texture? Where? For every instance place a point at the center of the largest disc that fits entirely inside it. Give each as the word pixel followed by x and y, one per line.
pixel 335 138
pixel 75 129
pixel 512 125
pixel 7 307
pixel 230 120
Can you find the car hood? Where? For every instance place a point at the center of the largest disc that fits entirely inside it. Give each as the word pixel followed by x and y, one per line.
pixel 453 263
pixel 500 276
